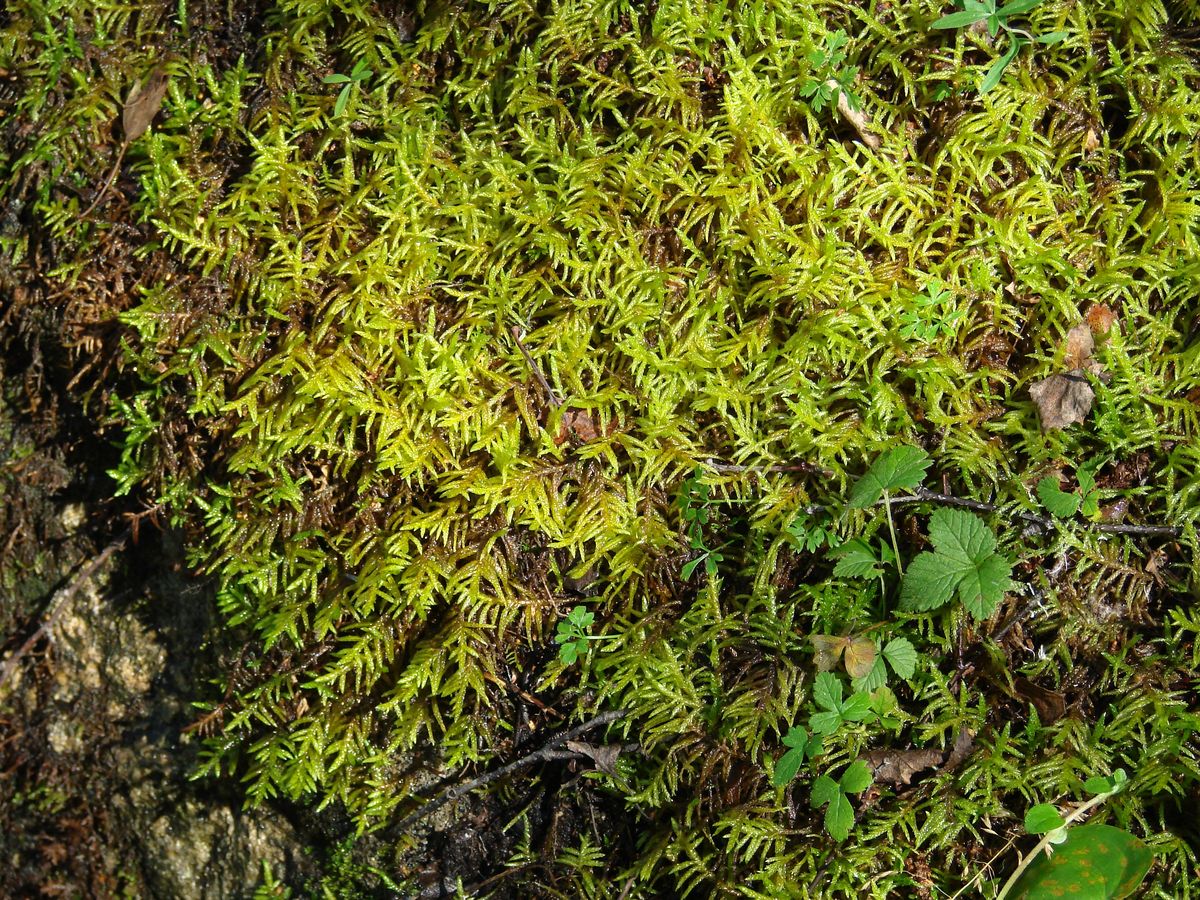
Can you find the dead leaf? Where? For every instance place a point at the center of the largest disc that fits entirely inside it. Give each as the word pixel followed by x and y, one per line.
pixel 1050 705
pixel 859 653
pixel 1079 347
pixel 604 757
pixel 897 767
pixel 1100 319
pixel 143 103
pixel 1063 400
pixel 963 745
pixel 578 423
pixel 1091 141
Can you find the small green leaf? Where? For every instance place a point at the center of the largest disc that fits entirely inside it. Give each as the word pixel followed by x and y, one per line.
pixel 959 20
pixel 857 708
pixel 1052 37
pixel 996 72
pixel 335 79
pixel 1042 818
pixel 857 778
pixel 1016 7
pixel 690 567
pixel 899 469
pixel 901 656
pixel 824 790
pixel 825 722
pixel 1058 502
pixel 964 561
pixel 339 105
pixel 873 680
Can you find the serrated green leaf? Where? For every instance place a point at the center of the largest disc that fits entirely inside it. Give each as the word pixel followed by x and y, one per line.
pixel 825 722
pixel 857 778
pixel 1058 502
pixel 827 691
pixel 899 469
pixel 796 737
pixel 901 656
pixel 839 817
pixel 964 561
pixel 857 707
pixel 856 559
pixel 1042 818
pixel 824 790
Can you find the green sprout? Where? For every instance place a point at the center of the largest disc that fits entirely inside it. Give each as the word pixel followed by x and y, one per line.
pixel 829 76
pixel 358 74
pixel 573 635
pixel 996 19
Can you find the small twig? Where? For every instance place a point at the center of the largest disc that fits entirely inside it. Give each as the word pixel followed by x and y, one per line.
pixel 554 399
pixel 794 467
pixel 58 604
pixel 544 752
pixel 108 182
pixel 860 121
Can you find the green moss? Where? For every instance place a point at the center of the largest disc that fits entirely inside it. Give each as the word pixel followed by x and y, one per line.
pixel 336 406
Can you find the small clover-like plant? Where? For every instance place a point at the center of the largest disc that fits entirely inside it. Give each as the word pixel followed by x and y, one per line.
pixel 1094 860
pixel 839 814
pixel 833 711
pixel 830 76
pixel 801 748
pixel 812 531
pixel 358 74
pixel 898 654
pixel 964 561
pixel 574 634
pixel 865 660
pixel 996 19
pixel 1064 504
pixel 932 313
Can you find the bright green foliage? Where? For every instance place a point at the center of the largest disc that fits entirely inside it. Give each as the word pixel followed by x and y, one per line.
pixel 1062 504
pixel 327 395
pixel 899 469
pixel 859 558
pixel 839 814
pixel 572 636
pixel 900 654
pixel 1096 861
pixel 1042 818
pixel 813 532
pixel 831 77
pixel 997 18
pixel 802 748
pixel 694 499
pixel 964 560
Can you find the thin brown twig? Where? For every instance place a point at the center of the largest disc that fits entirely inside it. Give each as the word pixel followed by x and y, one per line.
pixel 544 752
pixel 551 396
pixel 108 182
pixel 59 603
pixel 793 467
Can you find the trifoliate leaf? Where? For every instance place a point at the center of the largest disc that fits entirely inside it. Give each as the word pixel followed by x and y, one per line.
pixel 856 559
pixel 857 778
pixel 1058 502
pixel 963 561
pixel 788 767
pixel 899 469
pixel 901 656
pixel 825 722
pixel 1042 818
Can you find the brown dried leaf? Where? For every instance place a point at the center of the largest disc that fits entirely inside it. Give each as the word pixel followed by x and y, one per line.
pixel 1062 400
pixel 604 757
pixel 1079 347
pixel 143 103
pixel 897 767
pixel 1050 705
pixel 859 657
pixel 963 745
pixel 828 650
pixel 578 423
pixel 1100 319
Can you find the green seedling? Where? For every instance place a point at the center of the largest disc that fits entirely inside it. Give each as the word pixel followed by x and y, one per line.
pixel 358 74
pixel 695 498
pixel 573 634
pixel 830 76
pixel 839 814
pixel 900 469
pixel 812 531
pixel 933 313
pixel 996 18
